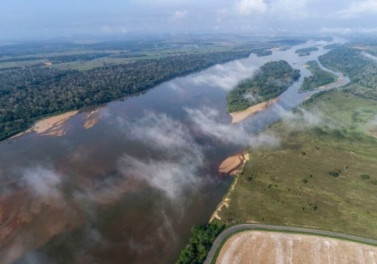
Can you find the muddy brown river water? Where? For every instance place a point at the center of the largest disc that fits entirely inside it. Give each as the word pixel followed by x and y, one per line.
pixel 126 182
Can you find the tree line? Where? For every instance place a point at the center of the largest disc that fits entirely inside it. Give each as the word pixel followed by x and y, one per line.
pixel 273 79
pixel 30 93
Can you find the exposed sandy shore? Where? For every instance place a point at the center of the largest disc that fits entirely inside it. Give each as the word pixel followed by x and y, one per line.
pixel 91 119
pixel 51 126
pixel 231 164
pixel 242 115
pixel 269 247
pixel 231 161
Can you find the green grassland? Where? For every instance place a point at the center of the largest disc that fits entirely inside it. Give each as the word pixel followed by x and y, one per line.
pixel 318 78
pixel 322 176
pixel 273 79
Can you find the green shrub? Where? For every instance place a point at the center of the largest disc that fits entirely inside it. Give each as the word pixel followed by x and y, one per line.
pixel 200 243
pixel 334 173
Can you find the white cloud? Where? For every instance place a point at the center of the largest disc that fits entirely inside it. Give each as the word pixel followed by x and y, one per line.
pixel 172 178
pixel 357 8
pixel 348 30
pixel 178 15
pixel 249 7
pixel 118 29
pixel 205 121
pixel 163 133
pixel 44 182
pixel 181 158
pixel 225 77
pixel 336 30
pixel 289 9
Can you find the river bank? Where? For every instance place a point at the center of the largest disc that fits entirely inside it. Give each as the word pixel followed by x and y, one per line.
pixel 240 116
pixel 50 126
pixel 236 161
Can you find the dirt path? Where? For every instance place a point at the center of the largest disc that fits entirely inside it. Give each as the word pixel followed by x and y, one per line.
pixel 245 227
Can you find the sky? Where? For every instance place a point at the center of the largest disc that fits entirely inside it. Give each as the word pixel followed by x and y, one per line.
pixel 23 19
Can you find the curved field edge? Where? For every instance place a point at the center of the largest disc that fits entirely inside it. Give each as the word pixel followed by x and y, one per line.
pixel 315 232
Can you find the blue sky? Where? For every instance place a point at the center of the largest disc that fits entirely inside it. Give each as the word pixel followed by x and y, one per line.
pixel 70 18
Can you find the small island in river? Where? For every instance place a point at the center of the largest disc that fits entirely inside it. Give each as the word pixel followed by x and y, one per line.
pixel 259 92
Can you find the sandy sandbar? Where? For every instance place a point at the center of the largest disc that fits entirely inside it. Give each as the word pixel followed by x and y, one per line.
pixel 91 119
pixel 228 164
pixel 242 115
pixel 231 164
pixel 53 126
pixel 272 247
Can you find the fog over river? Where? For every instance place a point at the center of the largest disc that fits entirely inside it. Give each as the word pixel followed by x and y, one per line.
pixel 128 187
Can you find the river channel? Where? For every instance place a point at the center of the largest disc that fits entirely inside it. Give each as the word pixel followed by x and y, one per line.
pixel 129 187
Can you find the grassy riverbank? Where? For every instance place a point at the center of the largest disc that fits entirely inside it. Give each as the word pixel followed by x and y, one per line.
pixel 322 176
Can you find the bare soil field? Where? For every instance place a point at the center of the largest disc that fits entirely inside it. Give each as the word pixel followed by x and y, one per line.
pixel 283 248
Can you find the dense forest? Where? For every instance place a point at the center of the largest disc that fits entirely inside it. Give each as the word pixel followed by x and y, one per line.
pixel 30 93
pixel 318 78
pixel 306 51
pixel 360 69
pixel 272 80
pixel 201 240
pixel 262 52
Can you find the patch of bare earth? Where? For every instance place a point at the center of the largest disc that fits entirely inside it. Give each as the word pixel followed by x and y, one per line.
pixel 242 115
pixel 282 248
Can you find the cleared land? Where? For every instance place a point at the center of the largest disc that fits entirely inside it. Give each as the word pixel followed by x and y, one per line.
pixel 323 175
pixel 269 247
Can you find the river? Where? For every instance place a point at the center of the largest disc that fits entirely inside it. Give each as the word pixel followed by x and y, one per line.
pixel 129 188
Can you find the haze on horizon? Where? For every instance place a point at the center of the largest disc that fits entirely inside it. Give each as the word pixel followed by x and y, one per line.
pixel 40 19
